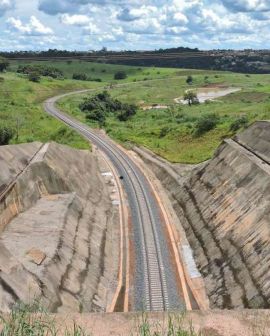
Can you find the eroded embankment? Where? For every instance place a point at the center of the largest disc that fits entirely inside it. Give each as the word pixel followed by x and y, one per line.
pixel 224 207
pixel 59 229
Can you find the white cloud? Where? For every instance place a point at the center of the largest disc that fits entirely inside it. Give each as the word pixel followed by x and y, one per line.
pixel 91 29
pixel 34 27
pixel 247 5
pixel 74 20
pixel 137 24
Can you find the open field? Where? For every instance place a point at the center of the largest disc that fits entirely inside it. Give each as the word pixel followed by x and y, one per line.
pixel 21 109
pixel 21 100
pixel 170 132
pixel 99 70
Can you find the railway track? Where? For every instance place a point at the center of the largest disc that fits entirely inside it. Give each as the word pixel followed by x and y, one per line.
pixel 155 283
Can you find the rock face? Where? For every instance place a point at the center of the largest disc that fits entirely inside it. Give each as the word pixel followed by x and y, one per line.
pixel 224 207
pixel 59 229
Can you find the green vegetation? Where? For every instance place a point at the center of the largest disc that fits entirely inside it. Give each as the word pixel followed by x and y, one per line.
pixel 120 75
pixel 189 80
pixel 34 77
pixel 100 106
pixel 241 122
pixel 191 97
pixel 22 94
pixel 182 133
pixel 21 111
pixel 6 135
pixel 104 72
pixel 79 76
pixel 205 124
pixel 40 70
pixel 32 320
pixel 173 327
pixel 3 64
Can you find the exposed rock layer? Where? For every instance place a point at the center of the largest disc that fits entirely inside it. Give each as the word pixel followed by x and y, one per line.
pixel 224 207
pixel 59 240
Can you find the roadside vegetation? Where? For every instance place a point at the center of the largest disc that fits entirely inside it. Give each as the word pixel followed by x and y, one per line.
pixel 33 320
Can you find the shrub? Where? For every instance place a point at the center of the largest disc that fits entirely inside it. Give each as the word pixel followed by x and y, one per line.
pixel 98 115
pixel 6 135
pixel 102 104
pixel 94 79
pixel 239 123
pixel 205 124
pixel 41 70
pixel 189 80
pixel 127 111
pixel 34 77
pixel 120 75
pixel 164 131
pixel 3 64
pixel 79 76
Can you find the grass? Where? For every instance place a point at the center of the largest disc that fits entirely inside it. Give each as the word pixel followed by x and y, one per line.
pixel 168 132
pixel 174 326
pixel 21 100
pixel 178 143
pixel 32 320
pixel 101 70
pixel 21 109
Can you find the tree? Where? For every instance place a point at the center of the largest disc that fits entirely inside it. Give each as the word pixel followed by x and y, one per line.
pixel 189 80
pixel 3 64
pixel 6 135
pixel 191 97
pixel 120 75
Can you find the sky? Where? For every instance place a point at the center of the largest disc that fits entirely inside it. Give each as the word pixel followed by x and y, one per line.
pixel 134 24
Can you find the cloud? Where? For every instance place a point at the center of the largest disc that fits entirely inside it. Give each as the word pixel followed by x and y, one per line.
pixel 74 20
pixel 54 7
pixel 247 5
pixel 6 5
pixel 91 29
pixel 33 28
pixel 128 15
pixel 137 24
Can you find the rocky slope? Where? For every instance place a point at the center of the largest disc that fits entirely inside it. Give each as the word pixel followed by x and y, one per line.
pixel 59 228
pixel 224 207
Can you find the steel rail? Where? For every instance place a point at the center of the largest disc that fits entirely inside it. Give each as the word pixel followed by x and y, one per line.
pixel 156 291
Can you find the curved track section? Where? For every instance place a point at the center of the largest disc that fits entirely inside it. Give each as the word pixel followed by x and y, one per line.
pixel 155 286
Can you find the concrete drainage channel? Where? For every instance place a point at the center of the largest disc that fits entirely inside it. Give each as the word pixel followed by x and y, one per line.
pixel 156 283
